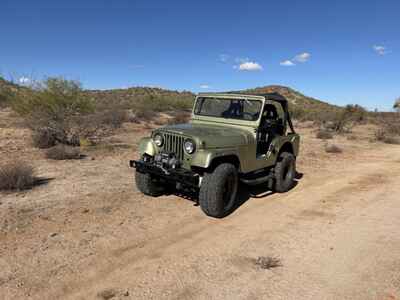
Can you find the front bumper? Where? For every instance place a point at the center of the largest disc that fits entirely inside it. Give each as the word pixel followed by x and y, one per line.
pixel 179 175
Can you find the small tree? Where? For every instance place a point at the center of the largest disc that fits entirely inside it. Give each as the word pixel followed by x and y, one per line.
pixel 51 108
pixel 397 104
pixel 5 92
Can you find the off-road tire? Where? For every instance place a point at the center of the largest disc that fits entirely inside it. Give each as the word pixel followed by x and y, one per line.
pixel 285 172
pixel 218 191
pixel 148 185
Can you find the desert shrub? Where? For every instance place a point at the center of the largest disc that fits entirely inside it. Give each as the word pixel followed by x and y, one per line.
pixel 344 120
pixel 180 118
pixel 3 99
pixel 16 175
pixel 340 120
pixel 268 262
pixel 324 134
pixel 63 152
pixel 55 97
pixel 332 148
pixel 385 135
pixel 389 129
pixel 144 115
pixel 114 118
pixel 5 94
pixel 397 104
pixel 93 128
pixel 44 138
pixel 51 109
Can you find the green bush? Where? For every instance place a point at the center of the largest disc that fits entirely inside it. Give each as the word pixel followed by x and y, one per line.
pixel 5 94
pixel 55 98
pixel 51 110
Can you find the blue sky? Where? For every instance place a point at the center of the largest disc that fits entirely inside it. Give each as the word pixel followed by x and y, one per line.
pixel 339 51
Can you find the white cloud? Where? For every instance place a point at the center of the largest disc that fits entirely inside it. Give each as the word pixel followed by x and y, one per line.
pixel 299 58
pixel 24 80
pixel 287 63
pixel 223 58
pixel 249 66
pixel 302 57
pixel 381 50
pixel 205 86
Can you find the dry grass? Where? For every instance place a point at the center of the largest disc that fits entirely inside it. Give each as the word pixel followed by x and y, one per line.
pixel 16 175
pixel 62 152
pixel 393 140
pixel 332 148
pixel 352 138
pixel 268 262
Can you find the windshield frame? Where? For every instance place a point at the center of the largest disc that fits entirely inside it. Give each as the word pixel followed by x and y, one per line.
pixel 220 119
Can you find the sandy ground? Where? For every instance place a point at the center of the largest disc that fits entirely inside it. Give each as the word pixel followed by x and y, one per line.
pixel 89 234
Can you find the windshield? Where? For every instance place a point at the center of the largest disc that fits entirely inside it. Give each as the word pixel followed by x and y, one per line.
pixel 241 109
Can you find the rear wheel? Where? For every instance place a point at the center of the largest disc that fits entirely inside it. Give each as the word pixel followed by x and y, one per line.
pixel 148 184
pixel 218 191
pixel 285 172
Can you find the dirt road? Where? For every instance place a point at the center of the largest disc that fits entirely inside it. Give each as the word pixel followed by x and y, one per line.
pixel 336 234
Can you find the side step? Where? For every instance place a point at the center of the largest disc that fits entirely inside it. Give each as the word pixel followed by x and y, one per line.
pixel 258 180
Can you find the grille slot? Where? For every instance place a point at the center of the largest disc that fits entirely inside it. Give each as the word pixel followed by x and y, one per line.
pixel 174 144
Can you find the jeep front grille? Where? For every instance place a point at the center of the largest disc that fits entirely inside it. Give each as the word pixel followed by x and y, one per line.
pixel 174 144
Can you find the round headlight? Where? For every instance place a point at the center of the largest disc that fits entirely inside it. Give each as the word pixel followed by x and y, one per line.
pixel 158 140
pixel 189 146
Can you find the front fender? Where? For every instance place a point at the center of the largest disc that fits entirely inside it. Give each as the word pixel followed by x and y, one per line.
pixel 146 146
pixel 204 157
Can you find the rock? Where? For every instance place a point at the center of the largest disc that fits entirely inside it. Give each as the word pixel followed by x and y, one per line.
pixel 107 294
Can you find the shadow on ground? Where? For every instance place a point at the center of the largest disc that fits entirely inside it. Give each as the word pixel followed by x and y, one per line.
pixel 245 193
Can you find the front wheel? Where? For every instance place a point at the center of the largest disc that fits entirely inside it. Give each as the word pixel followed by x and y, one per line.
pixel 285 172
pixel 218 191
pixel 148 185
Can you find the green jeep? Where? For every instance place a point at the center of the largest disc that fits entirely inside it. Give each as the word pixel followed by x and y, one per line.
pixel 230 137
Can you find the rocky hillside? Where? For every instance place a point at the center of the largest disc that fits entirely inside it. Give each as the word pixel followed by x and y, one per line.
pixel 297 100
pixel 158 99
pixel 162 98
pixel 153 98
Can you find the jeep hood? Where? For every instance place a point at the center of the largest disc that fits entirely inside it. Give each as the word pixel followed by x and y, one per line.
pixel 213 136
